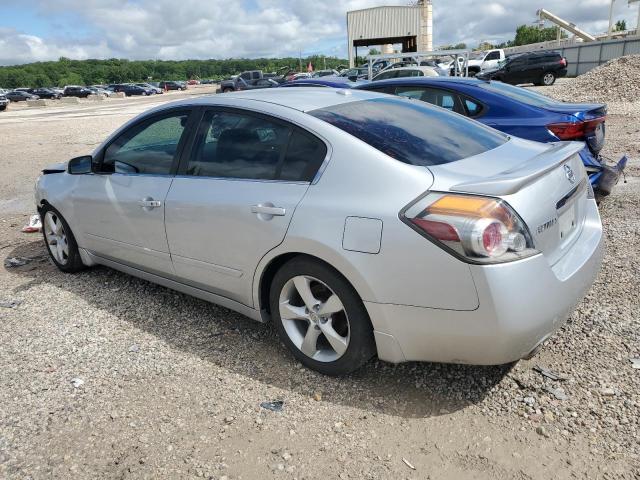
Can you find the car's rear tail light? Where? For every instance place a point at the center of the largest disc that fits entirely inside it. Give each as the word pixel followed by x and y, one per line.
pixel 478 229
pixel 574 130
pixel 563 62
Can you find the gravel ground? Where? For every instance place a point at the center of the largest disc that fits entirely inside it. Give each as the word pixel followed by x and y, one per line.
pixel 108 376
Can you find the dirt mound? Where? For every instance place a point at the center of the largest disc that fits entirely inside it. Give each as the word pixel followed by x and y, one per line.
pixel 616 80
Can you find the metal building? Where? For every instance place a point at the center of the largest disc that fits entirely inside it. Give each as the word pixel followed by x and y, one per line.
pixel 412 26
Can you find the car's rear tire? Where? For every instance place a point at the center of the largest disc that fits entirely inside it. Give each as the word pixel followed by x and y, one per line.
pixel 320 317
pixel 59 240
pixel 548 79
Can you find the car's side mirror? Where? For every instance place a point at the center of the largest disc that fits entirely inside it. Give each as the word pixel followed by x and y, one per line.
pixel 80 165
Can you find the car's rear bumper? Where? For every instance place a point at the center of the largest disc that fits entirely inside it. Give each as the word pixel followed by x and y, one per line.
pixel 521 305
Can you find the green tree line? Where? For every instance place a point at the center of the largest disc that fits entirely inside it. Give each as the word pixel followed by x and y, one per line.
pixel 92 72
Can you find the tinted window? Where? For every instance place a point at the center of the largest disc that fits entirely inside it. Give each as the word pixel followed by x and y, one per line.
pixel 412 132
pixel 236 145
pixel 387 75
pixel 473 108
pixel 148 148
pixel 493 56
pixel 518 93
pixel 434 96
pixel 410 73
pixel 304 157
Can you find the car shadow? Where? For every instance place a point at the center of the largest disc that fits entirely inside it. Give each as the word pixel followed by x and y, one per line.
pixel 252 349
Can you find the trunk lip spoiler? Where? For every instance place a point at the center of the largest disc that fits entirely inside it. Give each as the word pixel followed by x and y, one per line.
pixel 515 178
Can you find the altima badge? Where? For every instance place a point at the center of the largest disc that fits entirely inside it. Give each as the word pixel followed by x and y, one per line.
pixel 569 174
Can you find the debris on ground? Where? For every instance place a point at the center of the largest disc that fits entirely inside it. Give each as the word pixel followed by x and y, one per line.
pixel 77 382
pixel 34 225
pixel 406 462
pixel 559 393
pixel 275 406
pixel 549 373
pixel 13 262
pixel 10 303
pixel 616 80
pixel 635 363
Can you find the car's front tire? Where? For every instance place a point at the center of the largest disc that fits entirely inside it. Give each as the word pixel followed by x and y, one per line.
pixel 320 317
pixel 60 242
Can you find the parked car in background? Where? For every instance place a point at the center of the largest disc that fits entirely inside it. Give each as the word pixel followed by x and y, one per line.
pixel 193 82
pixel 46 93
pixel 20 96
pixel 150 88
pixel 299 75
pixel 172 85
pixel 485 60
pixel 353 74
pixel 96 90
pixel 76 91
pixel 520 112
pixel 401 72
pixel 4 102
pixel 490 240
pixel 250 80
pixel 333 82
pixel 256 84
pixel 539 68
pixel 324 73
pixel 134 90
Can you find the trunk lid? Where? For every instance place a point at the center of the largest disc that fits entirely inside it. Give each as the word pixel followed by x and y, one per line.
pixel 546 184
pixel 586 112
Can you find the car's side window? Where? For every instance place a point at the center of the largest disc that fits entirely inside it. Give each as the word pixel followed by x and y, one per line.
pixel 149 147
pixel 305 154
pixel 493 56
pixel 434 96
pixel 473 108
pixel 238 145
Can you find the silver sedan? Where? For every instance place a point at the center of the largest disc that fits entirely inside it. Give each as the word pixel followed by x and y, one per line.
pixel 358 223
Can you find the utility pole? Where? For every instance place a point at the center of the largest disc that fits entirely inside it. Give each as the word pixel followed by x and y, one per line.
pixel 300 61
pixel 610 20
pixel 638 22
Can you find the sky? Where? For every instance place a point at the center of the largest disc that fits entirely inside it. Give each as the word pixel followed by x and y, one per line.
pixel 39 30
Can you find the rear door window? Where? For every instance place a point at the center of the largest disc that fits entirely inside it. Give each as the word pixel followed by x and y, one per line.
pixel 239 145
pixel 412 132
pixel 434 96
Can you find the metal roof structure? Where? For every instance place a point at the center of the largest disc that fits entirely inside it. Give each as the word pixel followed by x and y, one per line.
pixel 409 25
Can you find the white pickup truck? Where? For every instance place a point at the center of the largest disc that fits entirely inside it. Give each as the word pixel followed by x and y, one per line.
pixel 478 61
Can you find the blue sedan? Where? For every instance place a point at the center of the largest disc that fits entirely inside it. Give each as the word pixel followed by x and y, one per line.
pixel 519 112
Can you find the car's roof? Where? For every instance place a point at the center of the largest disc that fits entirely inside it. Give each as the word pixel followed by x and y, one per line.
pixel 301 99
pixel 442 80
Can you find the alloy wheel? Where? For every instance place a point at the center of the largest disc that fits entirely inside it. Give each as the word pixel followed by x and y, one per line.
pixel 548 79
pixel 56 237
pixel 314 318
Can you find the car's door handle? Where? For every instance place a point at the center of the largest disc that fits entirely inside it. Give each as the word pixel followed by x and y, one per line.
pixel 268 210
pixel 149 203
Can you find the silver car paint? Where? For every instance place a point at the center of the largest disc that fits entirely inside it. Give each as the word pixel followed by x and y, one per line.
pixel 424 304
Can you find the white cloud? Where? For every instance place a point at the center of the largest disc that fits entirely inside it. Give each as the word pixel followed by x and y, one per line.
pixel 166 29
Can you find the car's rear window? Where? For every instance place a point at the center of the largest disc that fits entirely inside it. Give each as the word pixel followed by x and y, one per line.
pixel 411 131
pixel 520 94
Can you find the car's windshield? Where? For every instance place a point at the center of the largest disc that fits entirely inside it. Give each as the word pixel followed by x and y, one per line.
pixel 411 131
pixel 521 94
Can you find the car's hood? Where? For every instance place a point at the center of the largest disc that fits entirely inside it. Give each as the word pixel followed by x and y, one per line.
pixel 56 167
